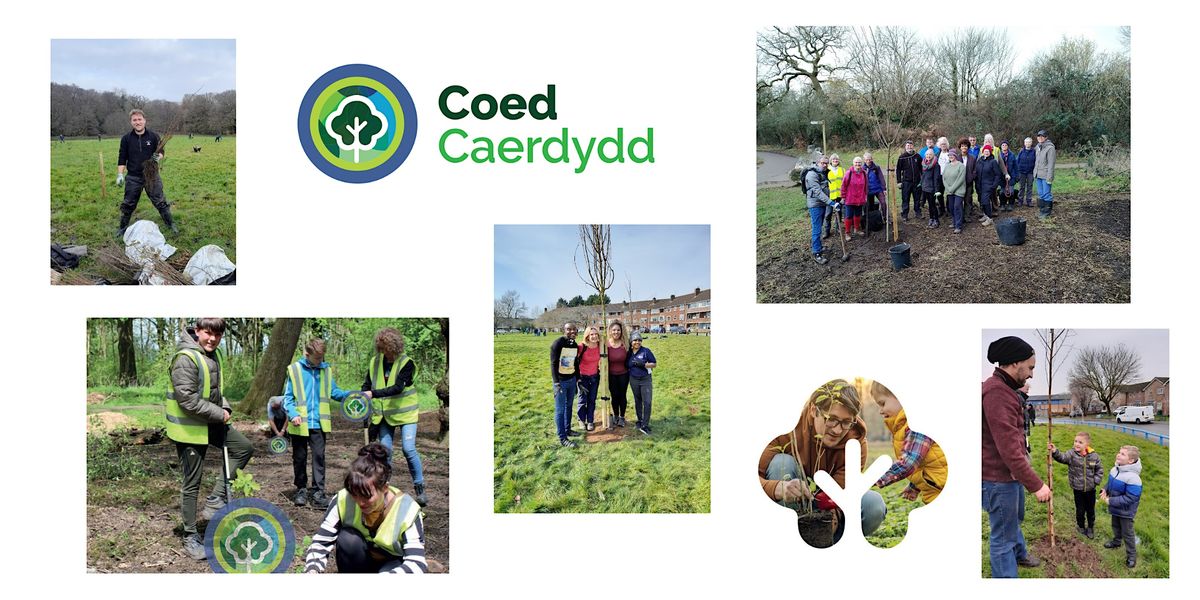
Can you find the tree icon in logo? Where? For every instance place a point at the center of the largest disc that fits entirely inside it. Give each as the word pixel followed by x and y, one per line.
pixel 356 124
pixel 249 545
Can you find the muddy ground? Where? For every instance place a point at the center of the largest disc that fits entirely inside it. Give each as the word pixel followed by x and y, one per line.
pixel 1081 255
pixel 134 526
pixel 1070 557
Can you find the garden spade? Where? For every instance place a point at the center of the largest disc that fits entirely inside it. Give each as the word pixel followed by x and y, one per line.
pixel 841 238
pixel 225 465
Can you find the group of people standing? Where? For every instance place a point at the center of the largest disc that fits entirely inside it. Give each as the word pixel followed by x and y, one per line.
pixel 945 180
pixel 575 372
pixel 374 526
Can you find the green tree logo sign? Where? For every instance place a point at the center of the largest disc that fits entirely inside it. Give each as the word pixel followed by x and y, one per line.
pixel 250 535
pixel 357 123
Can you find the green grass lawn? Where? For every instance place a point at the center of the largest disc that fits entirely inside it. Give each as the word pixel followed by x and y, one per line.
pixel 200 187
pixel 895 524
pixel 665 473
pixel 1152 523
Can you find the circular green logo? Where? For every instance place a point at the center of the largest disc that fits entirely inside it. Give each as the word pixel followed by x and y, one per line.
pixel 357 123
pixel 278 445
pixel 356 407
pixel 250 535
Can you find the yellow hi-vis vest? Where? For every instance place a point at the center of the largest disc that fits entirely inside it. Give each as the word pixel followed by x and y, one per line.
pixel 930 476
pixel 324 389
pixel 389 535
pixel 835 181
pixel 181 426
pixel 398 410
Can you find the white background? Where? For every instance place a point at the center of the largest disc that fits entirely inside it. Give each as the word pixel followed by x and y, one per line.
pixel 687 71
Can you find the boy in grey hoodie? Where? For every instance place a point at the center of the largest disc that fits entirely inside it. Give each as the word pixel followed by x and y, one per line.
pixel 1084 472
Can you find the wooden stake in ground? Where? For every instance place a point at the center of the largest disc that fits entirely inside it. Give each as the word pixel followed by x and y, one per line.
pixel 1054 341
pixel 103 183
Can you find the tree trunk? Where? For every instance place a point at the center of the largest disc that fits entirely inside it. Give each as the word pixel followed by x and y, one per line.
pixel 268 378
pixel 443 387
pixel 126 354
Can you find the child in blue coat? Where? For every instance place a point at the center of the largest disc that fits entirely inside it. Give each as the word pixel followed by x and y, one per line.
pixel 1122 494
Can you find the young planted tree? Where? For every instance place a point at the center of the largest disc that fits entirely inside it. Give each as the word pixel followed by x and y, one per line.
pixel 895 81
pixel 595 241
pixel 1054 341
pixel 268 379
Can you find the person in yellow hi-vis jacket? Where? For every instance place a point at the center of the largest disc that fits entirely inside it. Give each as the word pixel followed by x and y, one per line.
pixel 394 403
pixel 919 459
pixel 197 416
pixel 306 398
pixel 371 527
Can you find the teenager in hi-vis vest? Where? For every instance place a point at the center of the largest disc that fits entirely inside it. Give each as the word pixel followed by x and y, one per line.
pixel 394 402
pixel 197 416
pixel 307 392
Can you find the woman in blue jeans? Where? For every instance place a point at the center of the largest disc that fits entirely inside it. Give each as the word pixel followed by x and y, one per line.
pixel 395 404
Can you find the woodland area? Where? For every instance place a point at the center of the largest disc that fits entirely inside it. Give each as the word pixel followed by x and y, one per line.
pixel 136 352
pixel 874 87
pixel 75 111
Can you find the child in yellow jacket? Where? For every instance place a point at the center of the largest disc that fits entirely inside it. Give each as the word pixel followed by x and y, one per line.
pixel 919 459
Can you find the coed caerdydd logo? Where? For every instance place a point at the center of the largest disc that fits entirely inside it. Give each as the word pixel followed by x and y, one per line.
pixel 250 535
pixel 357 123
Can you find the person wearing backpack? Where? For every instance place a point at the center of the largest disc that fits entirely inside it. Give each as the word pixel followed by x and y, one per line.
pixel 815 183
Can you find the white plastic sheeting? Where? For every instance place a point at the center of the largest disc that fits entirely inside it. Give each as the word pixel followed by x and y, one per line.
pixel 208 264
pixel 143 244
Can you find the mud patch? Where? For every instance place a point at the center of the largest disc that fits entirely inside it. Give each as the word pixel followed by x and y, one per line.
pixel 103 422
pixel 1082 255
pixel 96 398
pixel 1071 557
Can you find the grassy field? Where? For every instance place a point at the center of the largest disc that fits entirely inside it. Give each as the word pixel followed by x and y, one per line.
pixel 200 187
pixel 895 524
pixel 665 473
pixel 1152 523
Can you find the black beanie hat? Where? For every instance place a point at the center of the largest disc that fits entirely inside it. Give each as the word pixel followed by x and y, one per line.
pixel 1008 350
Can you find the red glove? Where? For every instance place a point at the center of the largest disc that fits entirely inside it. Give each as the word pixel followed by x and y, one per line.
pixel 824 502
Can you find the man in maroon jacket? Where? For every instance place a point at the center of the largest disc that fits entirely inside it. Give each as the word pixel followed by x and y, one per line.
pixel 1006 466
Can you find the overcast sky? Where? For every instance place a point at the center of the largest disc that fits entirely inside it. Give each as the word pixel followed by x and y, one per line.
pixel 537 261
pixel 1149 344
pixel 156 69
pixel 1028 42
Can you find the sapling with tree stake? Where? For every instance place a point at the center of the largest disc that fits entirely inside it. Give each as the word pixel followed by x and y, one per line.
pixel 1054 341
pixel 595 241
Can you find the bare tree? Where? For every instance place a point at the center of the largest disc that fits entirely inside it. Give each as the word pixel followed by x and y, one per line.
pixel 1104 370
pixel 895 83
pixel 795 52
pixel 1055 343
pixel 595 241
pixel 973 61
pixel 508 308
pixel 268 379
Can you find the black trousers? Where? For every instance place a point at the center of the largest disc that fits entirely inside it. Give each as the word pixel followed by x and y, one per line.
pixel 133 193
pixel 191 468
pixel 618 385
pixel 933 207
pixel 300 444
pixel 1085 508
pixel 643 395
pixel 354 554
pixel 909 189
pixel 1123 532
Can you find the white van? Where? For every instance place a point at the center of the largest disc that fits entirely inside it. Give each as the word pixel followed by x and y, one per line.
pixel 1135 414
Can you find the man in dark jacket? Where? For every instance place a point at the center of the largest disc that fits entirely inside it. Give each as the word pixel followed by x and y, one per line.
pixel 876 189
pixel 908 173
pixel 564 373
pixel 816 186
pixel 1006 468
pixel 1025 162
pixel 990 178
pixel 138 146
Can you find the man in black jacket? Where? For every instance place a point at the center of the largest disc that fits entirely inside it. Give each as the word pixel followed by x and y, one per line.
pixel 138 146
pixel 908 172
pixel 564 371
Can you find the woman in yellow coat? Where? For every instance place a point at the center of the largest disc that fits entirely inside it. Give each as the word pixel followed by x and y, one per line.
pixel 919 459
pixel 836 173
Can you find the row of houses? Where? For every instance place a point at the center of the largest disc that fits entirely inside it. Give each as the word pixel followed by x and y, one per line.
pixel 1155 392
pixel 680 312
